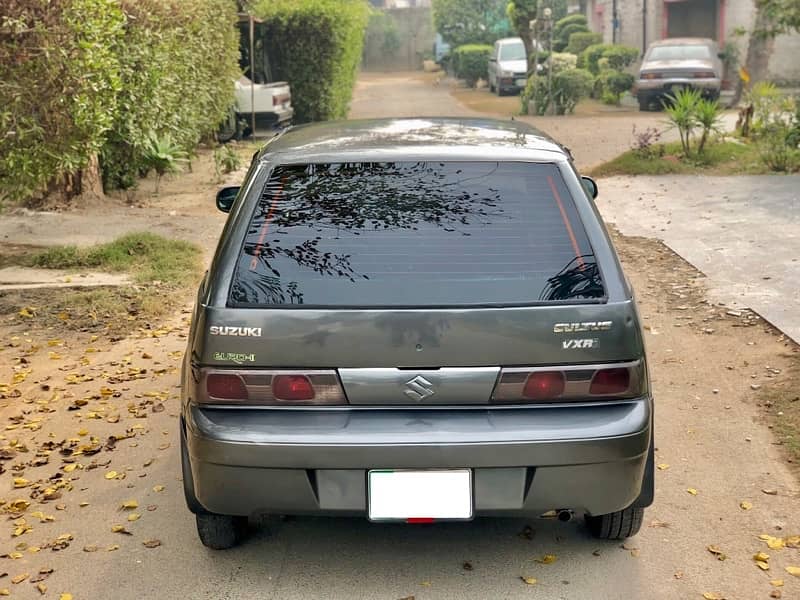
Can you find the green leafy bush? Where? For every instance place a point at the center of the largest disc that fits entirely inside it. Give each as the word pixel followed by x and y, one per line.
pixel 59 78
pixel 620 57
pixel 172 84
pixel 580 41
pixel 569 87
pixel 316 46
pixel 613 84
pixel 565 28
pixel 688 111
pixel 471 62
pixel 589 58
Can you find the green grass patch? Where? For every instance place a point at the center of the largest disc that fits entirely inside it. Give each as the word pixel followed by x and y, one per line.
pixel 145 256
pixel 719 158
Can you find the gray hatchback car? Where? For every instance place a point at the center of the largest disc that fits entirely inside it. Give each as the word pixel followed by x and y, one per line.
pixel 415 320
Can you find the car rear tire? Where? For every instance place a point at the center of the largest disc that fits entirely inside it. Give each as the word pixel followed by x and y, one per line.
pixel 644 104
pixel 618 525
pixel 220 532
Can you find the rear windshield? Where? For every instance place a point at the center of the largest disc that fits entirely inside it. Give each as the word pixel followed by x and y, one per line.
pixel 681 52
pixel 415 234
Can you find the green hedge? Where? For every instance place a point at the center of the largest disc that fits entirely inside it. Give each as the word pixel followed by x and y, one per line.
pixel 316 46
pixel 471 62
pixel 580 41
pixel 82 77
pixel 569 87
pixel 59 78
pixel 178 60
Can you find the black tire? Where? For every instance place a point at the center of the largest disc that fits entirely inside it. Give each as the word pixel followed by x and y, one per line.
pixel 220 532
pixel 644 103
pixel 229 128
pixel 491 88
pixel 617 525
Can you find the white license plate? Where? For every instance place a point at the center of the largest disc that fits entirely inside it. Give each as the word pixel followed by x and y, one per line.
pixel 419 495
pixel 522 83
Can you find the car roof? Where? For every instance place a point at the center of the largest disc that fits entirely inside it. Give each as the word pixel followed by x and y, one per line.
pixel 684 42
pixel 510 40
pixel 439 138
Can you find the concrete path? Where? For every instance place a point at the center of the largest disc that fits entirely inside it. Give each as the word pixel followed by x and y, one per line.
pixel 742 232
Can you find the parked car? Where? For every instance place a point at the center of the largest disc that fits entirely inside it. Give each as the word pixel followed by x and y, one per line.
pixel 508 66
pixel 273 108
pixel 415 320
pixel 677 63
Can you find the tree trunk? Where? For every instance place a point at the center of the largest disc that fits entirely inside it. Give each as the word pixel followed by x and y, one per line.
pixel 759 51
pixel 85 183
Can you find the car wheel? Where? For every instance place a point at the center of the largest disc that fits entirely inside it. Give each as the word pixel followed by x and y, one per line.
pixel 220 532
pixel 228 129
pixel 617 525
pixel 644 103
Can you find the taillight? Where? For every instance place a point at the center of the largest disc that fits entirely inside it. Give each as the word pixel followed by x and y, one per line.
pixel 652 76
pixel 252 387
pixel 223 386
pixel 292 387
pixel 544 385
pixel 573 383
pixel 704 75
pixel 610 381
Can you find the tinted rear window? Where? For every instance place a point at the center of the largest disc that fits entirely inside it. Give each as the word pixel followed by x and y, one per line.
pixel 680 52
pixel 415 234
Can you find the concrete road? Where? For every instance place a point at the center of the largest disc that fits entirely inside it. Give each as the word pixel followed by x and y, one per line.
pixel 743 233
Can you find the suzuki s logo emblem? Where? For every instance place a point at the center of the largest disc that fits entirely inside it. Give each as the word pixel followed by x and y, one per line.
pixel 419 388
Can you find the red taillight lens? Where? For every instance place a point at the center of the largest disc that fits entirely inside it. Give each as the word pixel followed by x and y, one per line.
pixel 544 385
pixel 292 387
pixel 704 75
pixel 226 387
pixel 651 75
pixel 610 381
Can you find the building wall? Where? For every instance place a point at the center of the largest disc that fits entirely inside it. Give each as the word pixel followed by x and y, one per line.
pixel 732 15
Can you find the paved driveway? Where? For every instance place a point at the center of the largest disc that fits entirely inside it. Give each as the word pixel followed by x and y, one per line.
pixel 742 232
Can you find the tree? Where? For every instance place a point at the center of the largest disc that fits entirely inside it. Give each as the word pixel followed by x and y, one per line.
pixel 470 21
pixel 783 15
pixel 522 12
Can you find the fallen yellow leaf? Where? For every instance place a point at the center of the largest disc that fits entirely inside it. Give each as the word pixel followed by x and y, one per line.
pixel 5 592
pixel 663 466
pixel 717 551
pixel 111 475
pixel 129 505
pixel 529 580
pixel 70 468
pixel 65 597
pixel 764 566
pixel 745 505
pixel 762 556
pixel 793 571
pixel 712 596
pixel 19 578
pixel 776 582
pixel 20 482
pixel 26 312
pixel 547 559
pixel 692 491
pixel 158 488
pixel 134 517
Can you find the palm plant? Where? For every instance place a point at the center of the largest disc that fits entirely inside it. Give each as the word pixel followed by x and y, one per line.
pixel 708 117
pixel 163 155
pixel 681 111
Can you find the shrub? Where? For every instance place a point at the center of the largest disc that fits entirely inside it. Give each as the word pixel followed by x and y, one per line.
pixel 560 43
pixel 589 58
pixel 316 46
pixel 620 57
pixel 613 84
pixel 580 41
pixel 687 111
pixel 172 86
pixel 569 87
pixel 562 61
pixel 226 160
pixel 59 78
pixel 471 62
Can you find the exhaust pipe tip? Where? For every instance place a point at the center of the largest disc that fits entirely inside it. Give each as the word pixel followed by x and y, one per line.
pixel 564 515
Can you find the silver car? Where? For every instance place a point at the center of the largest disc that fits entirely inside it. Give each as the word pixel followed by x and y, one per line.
pixel 415 320
pixel 677 63
pixel 508 66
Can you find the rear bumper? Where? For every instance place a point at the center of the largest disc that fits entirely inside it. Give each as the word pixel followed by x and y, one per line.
pixel 525 460
pixel 279 116
pixel 661 87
